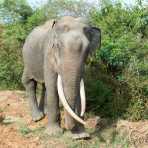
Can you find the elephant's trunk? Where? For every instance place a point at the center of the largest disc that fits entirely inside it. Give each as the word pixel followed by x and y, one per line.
pixel 65 103
pixel 72 87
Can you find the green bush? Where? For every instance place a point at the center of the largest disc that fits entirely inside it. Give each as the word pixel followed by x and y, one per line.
pixel 116 75
pixel 10 60
pixel 123 56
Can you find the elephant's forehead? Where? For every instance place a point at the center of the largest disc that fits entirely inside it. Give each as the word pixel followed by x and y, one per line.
pixel 74 40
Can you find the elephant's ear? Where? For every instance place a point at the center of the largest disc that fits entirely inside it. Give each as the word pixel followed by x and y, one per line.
pixel 55 45
pixel 94 36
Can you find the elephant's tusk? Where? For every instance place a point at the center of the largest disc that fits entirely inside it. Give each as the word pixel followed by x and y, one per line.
pixel 83 97
pixel 65 103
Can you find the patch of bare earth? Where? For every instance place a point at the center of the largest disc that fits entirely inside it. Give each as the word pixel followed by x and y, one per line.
pixel 14 116
pixel 17 130
pixel 137 132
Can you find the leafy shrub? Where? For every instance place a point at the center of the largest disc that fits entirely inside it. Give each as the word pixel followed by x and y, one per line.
pixel 10 60
pixel 124 38
pixel 116 74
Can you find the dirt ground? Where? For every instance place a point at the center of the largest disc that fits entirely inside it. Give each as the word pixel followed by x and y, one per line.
pixel 17 130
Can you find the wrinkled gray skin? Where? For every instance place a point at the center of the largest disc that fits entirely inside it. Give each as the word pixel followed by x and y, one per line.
pixel 57 47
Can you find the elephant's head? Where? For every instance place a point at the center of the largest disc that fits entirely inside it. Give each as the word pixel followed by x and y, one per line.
pixel 75 39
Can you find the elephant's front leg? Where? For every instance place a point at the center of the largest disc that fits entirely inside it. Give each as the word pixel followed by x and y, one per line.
pixel 77 129
pixel 53 111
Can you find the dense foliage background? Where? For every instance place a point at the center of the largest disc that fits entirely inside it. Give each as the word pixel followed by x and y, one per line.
pixel 116 75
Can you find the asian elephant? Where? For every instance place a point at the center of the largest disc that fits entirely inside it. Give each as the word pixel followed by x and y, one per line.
pixel 54 55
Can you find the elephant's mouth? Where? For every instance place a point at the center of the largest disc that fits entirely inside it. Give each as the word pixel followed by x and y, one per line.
pixel 65 103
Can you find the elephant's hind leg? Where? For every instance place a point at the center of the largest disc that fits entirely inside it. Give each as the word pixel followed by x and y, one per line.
pixel 43 100
pixel 30 86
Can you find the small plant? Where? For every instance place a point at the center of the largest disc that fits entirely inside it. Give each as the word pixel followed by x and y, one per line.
pixel 24 130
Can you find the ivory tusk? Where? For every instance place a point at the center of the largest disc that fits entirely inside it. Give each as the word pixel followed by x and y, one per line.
pixel 83 97
pixel 65 103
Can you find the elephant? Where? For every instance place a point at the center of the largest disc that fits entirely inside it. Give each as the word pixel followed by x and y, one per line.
pixel 54 55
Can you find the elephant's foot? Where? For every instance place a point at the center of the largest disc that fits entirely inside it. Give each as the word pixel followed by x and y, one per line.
pixel 37 115
pixel 82 135
pixel 78 132
pixel 54 130
pixel 77 136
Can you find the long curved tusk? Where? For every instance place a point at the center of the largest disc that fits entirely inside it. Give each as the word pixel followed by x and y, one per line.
pixel 83 97
pixel 65 103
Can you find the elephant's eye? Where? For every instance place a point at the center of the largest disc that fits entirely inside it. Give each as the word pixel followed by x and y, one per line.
pixel 63 28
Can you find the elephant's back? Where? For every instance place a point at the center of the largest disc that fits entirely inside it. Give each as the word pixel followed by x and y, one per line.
pixel 33 53
pixel 35 40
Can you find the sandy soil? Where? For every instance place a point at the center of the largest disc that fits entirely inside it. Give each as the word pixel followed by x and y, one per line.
pixel 15 121
pixel 17 130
